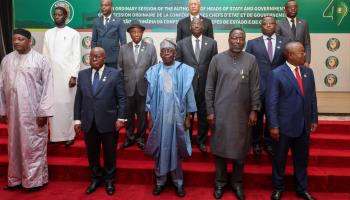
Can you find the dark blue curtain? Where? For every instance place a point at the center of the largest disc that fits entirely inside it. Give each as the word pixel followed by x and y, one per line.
pixel 6 27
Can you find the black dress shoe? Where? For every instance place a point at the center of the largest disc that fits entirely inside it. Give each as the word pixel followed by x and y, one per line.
pixel 110 188
pixel 141 145
pixel 202 148
pixel 256 150
pixel 7 187
pixel 276 195
pixel 92 187
pixel 126 145
pixel 157 190
pixel 180 191
pixel 306 195
pixel 219 192
pixel 238 192
pixel 269 150
pixel 69 143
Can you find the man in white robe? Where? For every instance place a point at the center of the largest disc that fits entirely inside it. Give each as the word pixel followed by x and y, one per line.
pixel 62 47
pixel 26 103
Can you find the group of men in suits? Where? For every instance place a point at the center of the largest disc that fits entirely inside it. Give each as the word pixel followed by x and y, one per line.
pixel 196 48
pixel 114 90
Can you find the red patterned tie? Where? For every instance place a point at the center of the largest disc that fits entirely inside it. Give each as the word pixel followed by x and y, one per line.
pixel 300 81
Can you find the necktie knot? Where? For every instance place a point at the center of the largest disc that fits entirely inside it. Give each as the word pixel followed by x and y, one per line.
pixel 193 18
pixel 137 46
pixel 292 20
pixel 269 38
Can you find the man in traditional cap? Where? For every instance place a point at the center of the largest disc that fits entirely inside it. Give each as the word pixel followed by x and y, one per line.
pixel 170 100
pixel 135 58
pixel 26 103
pixel 62 47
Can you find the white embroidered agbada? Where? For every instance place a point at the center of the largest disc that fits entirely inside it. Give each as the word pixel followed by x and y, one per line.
pixel 26 92
pixel 62 47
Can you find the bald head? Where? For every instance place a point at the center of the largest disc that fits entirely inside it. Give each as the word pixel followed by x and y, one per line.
pixel 294 52
pixel 97 57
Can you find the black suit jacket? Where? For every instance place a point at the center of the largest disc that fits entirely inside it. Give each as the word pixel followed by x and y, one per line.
pixel 183 28
pixel 185 54
pixel 106 106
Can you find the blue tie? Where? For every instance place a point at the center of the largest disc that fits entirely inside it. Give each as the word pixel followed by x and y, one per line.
pixel 95 82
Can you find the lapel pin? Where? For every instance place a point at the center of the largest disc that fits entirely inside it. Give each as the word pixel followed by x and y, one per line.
pixel 104 79
pixel 305 75
pixel 205 43
pixel 280 41
pixel 243 76
pixel 278 47
pixel 299 22
pixel 113 20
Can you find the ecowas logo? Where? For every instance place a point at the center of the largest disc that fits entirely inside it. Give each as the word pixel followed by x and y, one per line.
pixel 336 10
pixel 65 4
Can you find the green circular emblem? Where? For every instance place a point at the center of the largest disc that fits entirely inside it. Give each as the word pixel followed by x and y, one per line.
pixel 332 62
pixel 86 42
pixel 330 80
pixel 65 4
pixel 333 44
pixel 86 59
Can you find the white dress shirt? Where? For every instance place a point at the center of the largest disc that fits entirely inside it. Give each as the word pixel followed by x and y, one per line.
pixel 292 68
pixel 197 16
pixel 194 42
pixel 290 23
pixel 109 19
pixel 273 40
pixel 133 47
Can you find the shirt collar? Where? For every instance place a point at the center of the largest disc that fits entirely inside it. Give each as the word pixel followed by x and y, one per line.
pixel 292 67
pixel 272 37
pixel 199 38
pixel 100 71
pixel 289 19
pixel 198 17
pixel 109 16
pixel 133 44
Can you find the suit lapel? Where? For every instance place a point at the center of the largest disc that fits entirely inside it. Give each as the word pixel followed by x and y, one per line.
pixel 142 51
pixel 89 74
pixel 298 26
pixel 278 48
pixel 263 46
pixel 131 52
pixel 189 46
pixel 292 79
pixel 103 80
pixel 204 47
pixel 288 28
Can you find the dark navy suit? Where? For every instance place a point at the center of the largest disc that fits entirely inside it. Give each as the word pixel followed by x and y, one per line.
pixel 293 113
pixel 98 113
pixel 257 48
pixel 109 37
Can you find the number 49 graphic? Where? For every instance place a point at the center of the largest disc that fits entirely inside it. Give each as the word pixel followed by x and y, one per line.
pixel 336 10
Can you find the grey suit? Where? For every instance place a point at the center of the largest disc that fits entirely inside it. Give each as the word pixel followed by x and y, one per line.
pixel 136 85
pixel 185 54
pixel 109 37
pixel 302 34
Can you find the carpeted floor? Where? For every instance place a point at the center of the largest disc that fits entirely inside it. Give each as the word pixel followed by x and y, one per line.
pixel 329 171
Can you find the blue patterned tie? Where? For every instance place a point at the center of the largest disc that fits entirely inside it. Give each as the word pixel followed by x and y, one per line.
pixel 95 82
